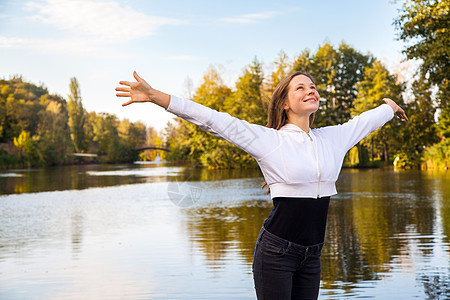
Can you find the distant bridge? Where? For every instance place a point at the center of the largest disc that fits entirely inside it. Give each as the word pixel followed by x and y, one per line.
pixel 152 148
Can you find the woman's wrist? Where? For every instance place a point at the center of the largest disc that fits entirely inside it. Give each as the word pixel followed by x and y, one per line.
pixel 391 103
pixel 152 95
pixel 159 98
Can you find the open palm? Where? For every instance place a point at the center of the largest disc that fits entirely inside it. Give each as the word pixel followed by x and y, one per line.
pixel 138 91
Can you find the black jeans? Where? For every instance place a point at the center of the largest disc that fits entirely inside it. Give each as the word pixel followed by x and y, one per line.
pixel 285 270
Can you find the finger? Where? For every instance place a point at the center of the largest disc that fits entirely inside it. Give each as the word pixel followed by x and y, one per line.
pixel 125 83
pixel 127 103
pixel 123 89
pixel 136 76
pixel 123 95
pixel 402 115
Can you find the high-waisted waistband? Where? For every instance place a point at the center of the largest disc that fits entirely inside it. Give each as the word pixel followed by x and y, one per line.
pixel 311 249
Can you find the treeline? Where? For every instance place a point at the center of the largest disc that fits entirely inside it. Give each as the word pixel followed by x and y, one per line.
pixel 39 129
pixel 349 82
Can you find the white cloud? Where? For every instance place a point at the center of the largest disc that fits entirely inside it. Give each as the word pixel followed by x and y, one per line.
pixel 77 46
pixel 251 18
pixel 182 57
pixel 105 21
pixel 6 42
pixel 93 26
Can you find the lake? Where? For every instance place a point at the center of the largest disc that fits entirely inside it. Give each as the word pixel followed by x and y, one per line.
pixel 162 231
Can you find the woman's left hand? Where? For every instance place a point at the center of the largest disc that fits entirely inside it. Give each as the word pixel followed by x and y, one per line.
pixel 398 111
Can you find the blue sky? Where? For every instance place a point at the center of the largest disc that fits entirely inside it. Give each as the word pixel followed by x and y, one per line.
pixel 166 42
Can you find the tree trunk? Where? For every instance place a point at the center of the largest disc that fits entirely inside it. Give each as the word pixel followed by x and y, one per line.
pixel 371 148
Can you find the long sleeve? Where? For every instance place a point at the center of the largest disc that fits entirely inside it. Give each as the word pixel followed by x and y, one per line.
pixel 254 139
pixel 347 135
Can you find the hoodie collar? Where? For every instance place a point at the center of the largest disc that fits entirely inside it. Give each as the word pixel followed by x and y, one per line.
pixel 292 127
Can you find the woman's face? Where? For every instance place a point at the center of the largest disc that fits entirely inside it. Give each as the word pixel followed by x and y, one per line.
pixel 303 98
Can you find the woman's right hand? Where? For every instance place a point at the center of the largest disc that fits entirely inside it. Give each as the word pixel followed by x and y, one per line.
pixel 139 91
pixel 398 111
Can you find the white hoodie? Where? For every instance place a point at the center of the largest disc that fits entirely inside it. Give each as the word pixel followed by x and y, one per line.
pixel 294 163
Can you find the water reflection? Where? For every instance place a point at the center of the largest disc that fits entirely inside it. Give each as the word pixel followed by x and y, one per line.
pixel 88 176
pixel 387 234
pixel 75 177
pixel 76 219
pixel 379 225
pixel 218 230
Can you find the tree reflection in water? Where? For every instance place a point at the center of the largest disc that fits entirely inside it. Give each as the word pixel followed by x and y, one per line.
pixel 436 286
pixel 219 229
pixel 379 220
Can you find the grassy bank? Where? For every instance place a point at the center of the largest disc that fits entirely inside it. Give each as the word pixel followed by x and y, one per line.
pixel 437 156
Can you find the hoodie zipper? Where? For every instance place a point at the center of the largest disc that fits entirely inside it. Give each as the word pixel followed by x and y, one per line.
pixel 317 164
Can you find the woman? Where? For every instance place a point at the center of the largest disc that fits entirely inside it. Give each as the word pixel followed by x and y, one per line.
pixel 300 166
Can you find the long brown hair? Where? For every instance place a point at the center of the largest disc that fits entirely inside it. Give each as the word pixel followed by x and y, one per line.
pixel 277 115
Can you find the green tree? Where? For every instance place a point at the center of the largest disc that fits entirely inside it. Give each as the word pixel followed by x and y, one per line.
pixel 303 62
pixel 110 145
pixel 5 90
pixel 175 136
pixel 425 26
pixel 200 145
pixel 19 107
pixel 336 72
pixel 77 117
pixel 246 102
pixel 323 68
pixel 377 84
pixel 443 97
pixel 204 147
pixel 132 133
pixel 20 113
pixel 24 143
pixel 27 148
pixel 53 130
pixel 420 131
pixel 90 137
pixel 281 68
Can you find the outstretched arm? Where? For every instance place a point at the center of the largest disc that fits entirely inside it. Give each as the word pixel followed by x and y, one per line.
pixel 350 133
pixel 141 91
pixel 256 140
